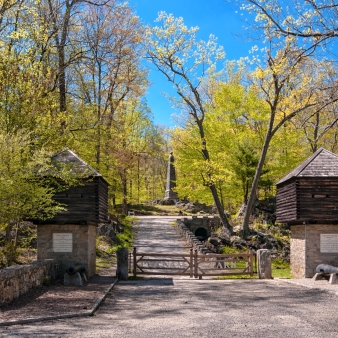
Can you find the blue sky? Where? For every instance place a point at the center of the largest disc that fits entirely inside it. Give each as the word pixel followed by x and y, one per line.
pixel 216 17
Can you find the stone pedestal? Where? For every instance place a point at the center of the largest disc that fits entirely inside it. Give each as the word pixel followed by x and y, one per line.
pixel 264 264
pixel 332 277
pixel 305 248
pixel 69 244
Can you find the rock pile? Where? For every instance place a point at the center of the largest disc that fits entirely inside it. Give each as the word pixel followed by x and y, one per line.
pixel 275 238
pixel 110 229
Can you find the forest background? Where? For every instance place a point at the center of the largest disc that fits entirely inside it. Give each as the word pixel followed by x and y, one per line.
pixel 74 74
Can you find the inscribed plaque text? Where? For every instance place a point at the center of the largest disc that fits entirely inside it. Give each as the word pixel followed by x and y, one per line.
pixel 329 243
pixel 62 242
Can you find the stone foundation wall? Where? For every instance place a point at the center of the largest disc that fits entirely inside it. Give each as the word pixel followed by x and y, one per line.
pixel 18 279
pixel 83 248
pixel 205 222
pixel 305 249
pixel 297 251
pixel 195 243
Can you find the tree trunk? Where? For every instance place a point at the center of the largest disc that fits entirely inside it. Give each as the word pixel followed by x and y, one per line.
pixel 227 227
pixel 9 250
pixel 62 80
pixel 124 194
pixel 252 196
pixel 224 220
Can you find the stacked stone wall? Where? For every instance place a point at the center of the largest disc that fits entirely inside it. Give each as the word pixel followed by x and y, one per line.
pixel 208 223
pixel 189 236
pixel 83 250
pixel 19 279
pixel 305 249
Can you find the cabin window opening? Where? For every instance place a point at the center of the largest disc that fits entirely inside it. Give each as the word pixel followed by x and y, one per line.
pixel 320 196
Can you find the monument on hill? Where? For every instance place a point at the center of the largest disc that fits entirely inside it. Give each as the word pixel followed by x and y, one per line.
pixel 171 180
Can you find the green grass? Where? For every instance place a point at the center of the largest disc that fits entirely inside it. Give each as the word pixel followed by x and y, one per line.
pixel 105 263
pixel 125 239
pixel 280 269
pixel 230 250
pixel 106 248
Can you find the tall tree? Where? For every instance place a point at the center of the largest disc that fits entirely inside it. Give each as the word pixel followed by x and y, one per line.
pixel 289 88
pixel 186 63
pixel 312 21
pixel 133 132
pixel 63 22
pixel 111 71
pixel 23 192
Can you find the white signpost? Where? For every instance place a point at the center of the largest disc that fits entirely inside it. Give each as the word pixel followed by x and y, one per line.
pixel 62 242
pixel 329 243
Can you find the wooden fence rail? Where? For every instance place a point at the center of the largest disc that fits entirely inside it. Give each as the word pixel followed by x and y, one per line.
pixel 192 265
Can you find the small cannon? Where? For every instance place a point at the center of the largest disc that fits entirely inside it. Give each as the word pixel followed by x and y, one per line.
pixel 323 270
pixel 326 269
pixel 72 270
pixel 75 275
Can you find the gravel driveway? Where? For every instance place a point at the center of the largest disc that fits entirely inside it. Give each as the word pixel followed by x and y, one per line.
pixel 158 235
pixel 184 307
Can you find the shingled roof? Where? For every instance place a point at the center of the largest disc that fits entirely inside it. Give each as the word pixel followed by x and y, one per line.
pixel 77 164
pixel 322 163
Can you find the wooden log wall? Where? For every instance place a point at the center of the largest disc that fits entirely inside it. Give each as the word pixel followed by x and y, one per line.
pixel 286 200
pixel 317 199
pixel 84 203
pixel 308 200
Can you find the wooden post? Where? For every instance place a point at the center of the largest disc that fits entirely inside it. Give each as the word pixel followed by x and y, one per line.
pixel 191 264
pixel 251 263
pixel 134 261
pixel 195 264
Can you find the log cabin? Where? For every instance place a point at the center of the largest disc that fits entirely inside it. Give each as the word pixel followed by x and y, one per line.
pixel 309 193
pixel 85 203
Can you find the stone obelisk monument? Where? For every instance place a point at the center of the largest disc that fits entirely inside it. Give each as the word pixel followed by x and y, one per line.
pixel 171 180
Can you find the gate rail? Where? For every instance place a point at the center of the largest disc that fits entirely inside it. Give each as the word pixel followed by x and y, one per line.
pixel 192 265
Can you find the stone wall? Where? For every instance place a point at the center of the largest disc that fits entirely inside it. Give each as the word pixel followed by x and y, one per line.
pixel 18 279
pixel 297 251
pixel 189 236
pixel 305 252
pixel 205 222
pixel 83 246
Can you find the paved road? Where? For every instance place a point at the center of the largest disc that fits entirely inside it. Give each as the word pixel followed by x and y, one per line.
pixel 166 307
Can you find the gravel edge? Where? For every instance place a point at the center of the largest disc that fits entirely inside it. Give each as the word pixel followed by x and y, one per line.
pixel 67 315
pixel 290 281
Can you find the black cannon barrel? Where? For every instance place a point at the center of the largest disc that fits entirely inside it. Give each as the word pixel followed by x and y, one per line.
pixel 75 268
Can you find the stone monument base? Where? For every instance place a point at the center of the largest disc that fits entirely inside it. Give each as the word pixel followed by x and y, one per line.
pixel 80 248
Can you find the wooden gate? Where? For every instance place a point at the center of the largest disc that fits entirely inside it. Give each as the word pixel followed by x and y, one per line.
pixel 192 265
